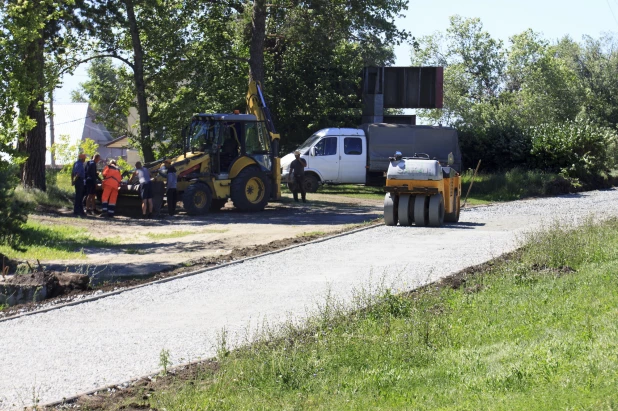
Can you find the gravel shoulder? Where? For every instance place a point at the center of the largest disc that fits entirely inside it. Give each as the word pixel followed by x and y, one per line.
pixel 145 247
pixel 74 349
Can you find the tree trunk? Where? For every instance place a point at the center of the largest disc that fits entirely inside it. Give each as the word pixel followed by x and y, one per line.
pixel 33 170
pixel 140 84
pixel 256 48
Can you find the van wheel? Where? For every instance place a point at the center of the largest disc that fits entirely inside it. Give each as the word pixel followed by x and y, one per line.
pixel 250 190
pixel 311 183
pixel 197 199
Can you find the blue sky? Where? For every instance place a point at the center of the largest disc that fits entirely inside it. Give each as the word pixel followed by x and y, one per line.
pixel 501 18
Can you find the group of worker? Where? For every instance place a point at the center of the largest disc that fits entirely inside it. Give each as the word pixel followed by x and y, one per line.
pixel 85 177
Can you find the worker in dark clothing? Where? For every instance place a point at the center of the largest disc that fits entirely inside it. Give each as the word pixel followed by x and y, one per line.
pixel 297 172
pixel 168 171
pixel 91 183
pixel 78 177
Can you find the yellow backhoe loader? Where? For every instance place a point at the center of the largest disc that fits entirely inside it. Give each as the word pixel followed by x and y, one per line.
pixel 226 156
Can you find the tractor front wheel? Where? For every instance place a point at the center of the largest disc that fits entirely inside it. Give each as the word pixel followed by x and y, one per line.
pixel 197 199
pixel 250 190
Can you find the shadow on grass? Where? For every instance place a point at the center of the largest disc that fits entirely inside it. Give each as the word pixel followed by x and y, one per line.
pixel 62 238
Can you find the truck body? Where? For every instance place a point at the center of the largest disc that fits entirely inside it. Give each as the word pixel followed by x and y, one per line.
pixel 361 155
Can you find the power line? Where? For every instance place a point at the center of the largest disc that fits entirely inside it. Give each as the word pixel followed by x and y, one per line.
pixel 612 10
pixel 73 121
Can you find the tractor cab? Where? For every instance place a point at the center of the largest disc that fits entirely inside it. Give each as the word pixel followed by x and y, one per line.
pixel 227 137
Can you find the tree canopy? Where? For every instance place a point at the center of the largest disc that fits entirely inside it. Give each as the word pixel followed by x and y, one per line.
pixel 516 104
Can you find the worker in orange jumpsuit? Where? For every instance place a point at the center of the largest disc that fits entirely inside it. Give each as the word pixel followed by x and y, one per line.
pixel 111 185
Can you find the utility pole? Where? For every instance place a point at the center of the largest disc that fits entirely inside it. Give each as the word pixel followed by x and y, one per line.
pixel 51 128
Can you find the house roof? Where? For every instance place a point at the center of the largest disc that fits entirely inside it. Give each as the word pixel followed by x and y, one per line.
pixel 120 142
pixel 75 121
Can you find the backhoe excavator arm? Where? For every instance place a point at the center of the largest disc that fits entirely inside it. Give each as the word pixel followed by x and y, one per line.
pixel 256 105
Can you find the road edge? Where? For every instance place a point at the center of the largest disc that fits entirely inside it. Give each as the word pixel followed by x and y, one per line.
pixel 184 275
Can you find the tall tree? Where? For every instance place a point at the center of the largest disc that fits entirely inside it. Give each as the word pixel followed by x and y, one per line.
pixel 35 37
pixel 146 35
pixel 256 47
pixel 474 68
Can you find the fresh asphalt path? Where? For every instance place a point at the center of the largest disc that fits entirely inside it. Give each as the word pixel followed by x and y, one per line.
pixel 49 356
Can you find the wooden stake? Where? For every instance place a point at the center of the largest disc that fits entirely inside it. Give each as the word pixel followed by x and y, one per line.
pixel 471 182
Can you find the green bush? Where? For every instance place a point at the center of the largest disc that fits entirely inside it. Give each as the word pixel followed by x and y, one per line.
pixel 13 213
pixel 577 149
pixel 501 146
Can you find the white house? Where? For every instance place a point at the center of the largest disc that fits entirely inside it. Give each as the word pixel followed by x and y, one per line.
pixel 75 120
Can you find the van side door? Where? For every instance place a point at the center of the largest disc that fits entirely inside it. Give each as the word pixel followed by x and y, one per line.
pixel 353 159
pixel 326 158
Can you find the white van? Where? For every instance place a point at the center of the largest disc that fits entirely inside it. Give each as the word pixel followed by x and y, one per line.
pixel 360 156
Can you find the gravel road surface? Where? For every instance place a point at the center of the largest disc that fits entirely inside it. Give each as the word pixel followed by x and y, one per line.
pixel 63 352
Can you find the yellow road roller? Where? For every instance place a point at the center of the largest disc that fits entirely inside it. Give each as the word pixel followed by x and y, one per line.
pixel 422 191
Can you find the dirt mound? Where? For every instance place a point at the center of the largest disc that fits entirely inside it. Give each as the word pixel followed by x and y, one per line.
pixel 41 285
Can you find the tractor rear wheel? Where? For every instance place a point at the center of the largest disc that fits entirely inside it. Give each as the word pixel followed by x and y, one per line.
pixel 406 209
pixel 250 190
pixel 390 209
pixel 197 199
pixel 436 210
pixel 454 216
pixel 421 216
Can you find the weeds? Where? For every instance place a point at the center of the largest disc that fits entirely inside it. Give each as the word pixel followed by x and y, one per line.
pixel 515 185
pixel 59 191
pixel 164 360
pixel 311 234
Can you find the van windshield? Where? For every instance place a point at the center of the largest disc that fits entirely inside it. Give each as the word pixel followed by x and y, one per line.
pixel 308 143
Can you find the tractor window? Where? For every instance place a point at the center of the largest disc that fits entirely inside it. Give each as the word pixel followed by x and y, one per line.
pixel 256 138
pixel 326 147
pixel 203 133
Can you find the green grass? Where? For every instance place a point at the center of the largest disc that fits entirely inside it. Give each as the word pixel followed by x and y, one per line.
pixel 512 185
pixel 183 233
pixel 59 192
pixel 354 191
pixel 54 242
pixel 487 188
pixel 527 334
pixel 171 234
